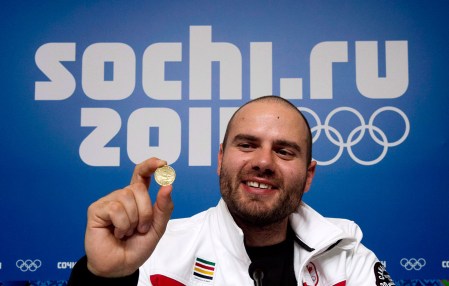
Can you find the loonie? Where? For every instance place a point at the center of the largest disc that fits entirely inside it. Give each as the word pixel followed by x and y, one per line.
pixel 165 175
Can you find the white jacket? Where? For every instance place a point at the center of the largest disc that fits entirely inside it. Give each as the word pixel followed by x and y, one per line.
pixel 208 249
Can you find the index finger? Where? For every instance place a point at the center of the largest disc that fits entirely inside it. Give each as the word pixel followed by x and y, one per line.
pixel 143 171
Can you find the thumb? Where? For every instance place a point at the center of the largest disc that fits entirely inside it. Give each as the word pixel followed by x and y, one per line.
pixel 162 210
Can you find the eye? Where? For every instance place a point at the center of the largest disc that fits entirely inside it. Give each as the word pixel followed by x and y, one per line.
pixel 285 153
pixel 245 146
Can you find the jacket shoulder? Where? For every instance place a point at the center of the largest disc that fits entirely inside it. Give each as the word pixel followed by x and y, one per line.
pixel 349 227
pixel 188 224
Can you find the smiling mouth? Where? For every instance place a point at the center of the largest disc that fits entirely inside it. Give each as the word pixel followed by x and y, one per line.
pixel 258 185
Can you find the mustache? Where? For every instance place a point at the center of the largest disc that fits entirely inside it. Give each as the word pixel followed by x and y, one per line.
pixel 266 173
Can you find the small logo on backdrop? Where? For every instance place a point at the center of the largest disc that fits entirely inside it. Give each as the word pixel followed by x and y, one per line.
pixel 444 264
pixel 28 265
pixel 413 263
pixel 66 265
pixel 382 276
pixel 204 269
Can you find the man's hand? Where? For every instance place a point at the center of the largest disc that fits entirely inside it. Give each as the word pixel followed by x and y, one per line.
pixel 123 228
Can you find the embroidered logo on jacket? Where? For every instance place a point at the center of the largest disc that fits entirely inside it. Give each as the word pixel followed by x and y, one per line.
pixel 382 276
pixel 312 278
pixel 203 269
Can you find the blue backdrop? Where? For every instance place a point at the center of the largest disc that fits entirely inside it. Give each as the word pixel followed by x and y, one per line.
pixel 89 88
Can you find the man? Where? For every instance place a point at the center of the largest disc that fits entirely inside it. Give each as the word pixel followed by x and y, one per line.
pixel 259 231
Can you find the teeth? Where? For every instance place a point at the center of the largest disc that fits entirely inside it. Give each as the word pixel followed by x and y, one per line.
pixel 257 185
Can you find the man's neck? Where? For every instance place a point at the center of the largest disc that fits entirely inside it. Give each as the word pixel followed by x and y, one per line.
pixel 256 236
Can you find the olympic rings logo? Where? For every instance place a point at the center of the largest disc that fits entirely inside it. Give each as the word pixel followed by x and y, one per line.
pixel 28 265
pixel 357 134
pixel 413 263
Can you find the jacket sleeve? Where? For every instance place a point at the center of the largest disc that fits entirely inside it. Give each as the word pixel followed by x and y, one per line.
pixel 81 276
pixel 364 269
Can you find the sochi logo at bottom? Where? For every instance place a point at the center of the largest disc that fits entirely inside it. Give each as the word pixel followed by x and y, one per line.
pixel 413 263
pixel 28 265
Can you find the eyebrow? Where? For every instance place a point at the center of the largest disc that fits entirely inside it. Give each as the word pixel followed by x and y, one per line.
pixel 280 142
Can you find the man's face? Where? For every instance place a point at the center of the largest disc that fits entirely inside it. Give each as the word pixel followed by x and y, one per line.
pixel 263 170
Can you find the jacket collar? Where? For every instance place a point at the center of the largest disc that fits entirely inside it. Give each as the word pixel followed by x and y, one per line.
pixel 231 235
pixel 317 233
pixel 314 232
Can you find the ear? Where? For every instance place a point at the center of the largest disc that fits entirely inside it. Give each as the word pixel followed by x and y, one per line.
pixel 220 159
pixel 310 174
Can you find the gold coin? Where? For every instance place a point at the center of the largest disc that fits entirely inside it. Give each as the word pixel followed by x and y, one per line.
pixel 165 175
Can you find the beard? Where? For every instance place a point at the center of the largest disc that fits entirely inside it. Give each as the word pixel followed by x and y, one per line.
pixel 251 209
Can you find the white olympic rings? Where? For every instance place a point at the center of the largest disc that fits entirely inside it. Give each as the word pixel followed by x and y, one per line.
pixel 413 263
pixel 335 137
pixel 28 265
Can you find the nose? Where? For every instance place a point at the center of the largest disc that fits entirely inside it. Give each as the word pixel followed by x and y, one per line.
pixel 263 161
